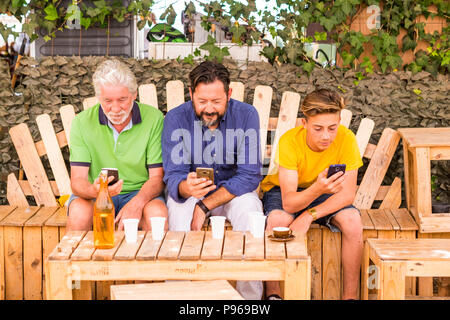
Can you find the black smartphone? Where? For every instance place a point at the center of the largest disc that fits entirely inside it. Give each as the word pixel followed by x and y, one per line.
pixel 207 173
pixel 335 168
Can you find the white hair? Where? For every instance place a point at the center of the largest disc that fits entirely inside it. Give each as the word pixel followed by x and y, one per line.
pixel 113 72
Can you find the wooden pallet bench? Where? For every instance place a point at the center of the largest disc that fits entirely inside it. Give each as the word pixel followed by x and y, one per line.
pixel 396 259
pixel 46 192
pixel 192 255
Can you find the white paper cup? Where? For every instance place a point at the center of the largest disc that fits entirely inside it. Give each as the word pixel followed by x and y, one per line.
pixel 251 222
pixel 258 225
pixel 217 226
pixel 131 228
pixel 157 227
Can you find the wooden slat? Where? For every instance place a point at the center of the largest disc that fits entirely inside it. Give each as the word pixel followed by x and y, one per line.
pixel 363 134
pixel 376 169
pixel 67 113
pixel 192 245
pixel 179 290
pixel 19 216
pixel 290 103
pixel 404 219
pixel 370 150
pixel 422 181
pixel 148 95
pixel 391 219
pixel 62 142
pixel 26 187
pixel 233 246
pixel 90 102
pixel 238 91
pixel 2 264
pixel 414 249
pixel 171 245
pixel 175 93
pixel 274 250
pixel 379 219
pixel 254 247
pixel 346 117
pixel 366 221
pixel 297 248
pixel 128 251
pixel 13 261
pixel 441 153
pixel 212 248
pixel 108 254
pixel 149 248
pixel 67 245
pixel 59 219
pixel 39 219
pixel 14 192
pixel 54 154
pixel 393 198
pixel 85 249
pixel 315 252
pixel 426 137
pixel 23 142
pixel 5 211
pixel 262 101
pixel 331 273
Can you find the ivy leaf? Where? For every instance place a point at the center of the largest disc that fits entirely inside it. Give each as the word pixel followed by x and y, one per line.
pixel 320 6
pixel 347 58
pixel 85 22
pixel 308 66
pixel 51 12
pixel 408 43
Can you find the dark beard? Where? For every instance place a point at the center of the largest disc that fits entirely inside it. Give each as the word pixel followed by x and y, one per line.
pixel 209 123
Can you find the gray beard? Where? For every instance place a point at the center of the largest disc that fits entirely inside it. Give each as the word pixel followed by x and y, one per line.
pixel 209 123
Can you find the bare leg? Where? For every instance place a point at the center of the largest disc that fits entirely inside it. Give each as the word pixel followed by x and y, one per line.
pixel 154 208
pixel 276 218
pixel 80 215
pixel 349 222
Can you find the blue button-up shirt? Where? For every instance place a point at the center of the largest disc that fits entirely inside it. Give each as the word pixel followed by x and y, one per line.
pixel 232 149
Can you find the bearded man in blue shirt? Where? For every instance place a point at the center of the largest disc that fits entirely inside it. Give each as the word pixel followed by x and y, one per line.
pixel 213 131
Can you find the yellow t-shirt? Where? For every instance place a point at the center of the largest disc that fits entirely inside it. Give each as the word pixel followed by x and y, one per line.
pixel 294 154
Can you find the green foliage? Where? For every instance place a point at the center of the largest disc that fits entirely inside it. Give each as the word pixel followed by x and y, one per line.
pixel 287 26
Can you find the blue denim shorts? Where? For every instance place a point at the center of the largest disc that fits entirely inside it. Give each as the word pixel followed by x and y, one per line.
pixel 119 201
pixel 272 201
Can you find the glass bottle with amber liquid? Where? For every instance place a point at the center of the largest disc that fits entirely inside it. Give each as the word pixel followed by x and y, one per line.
pixel 103 216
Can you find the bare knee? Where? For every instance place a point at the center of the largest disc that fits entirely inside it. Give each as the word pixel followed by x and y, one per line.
pixel 154 208
pixel 278 218
pixel 80 215
pixel 350 223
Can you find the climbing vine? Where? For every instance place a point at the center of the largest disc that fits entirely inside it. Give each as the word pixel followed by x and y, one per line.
pixel 285 25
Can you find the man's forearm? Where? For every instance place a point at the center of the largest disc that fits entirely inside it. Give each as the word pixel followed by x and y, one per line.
pixel 295 201
pixel 83 188
pixel 150 190
pixel 334 203
pixel 218 198
pixel 182 190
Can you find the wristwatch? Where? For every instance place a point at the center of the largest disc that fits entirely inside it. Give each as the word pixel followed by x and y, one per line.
pixel 313 213
pixel 202 206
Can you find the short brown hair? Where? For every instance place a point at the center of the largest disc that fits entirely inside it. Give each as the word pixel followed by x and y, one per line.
pixel 322 101
pixel 208 72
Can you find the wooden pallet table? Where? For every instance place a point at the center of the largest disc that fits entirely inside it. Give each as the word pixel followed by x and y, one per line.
pixel 179 290
pixel 194 255
pixel 420 146
pixel 397 259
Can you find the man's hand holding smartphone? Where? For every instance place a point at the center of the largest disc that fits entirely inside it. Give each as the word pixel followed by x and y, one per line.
pixel 198 187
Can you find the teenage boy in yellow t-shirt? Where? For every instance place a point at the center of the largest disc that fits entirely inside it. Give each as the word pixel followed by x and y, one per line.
pixel 300 192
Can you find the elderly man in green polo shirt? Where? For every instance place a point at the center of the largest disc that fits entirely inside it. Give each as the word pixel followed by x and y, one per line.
pixel 117 133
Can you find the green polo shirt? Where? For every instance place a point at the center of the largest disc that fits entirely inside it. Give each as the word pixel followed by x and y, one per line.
pixel 135 151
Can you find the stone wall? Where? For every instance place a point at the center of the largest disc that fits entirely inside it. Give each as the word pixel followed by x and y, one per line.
pixel 394 100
